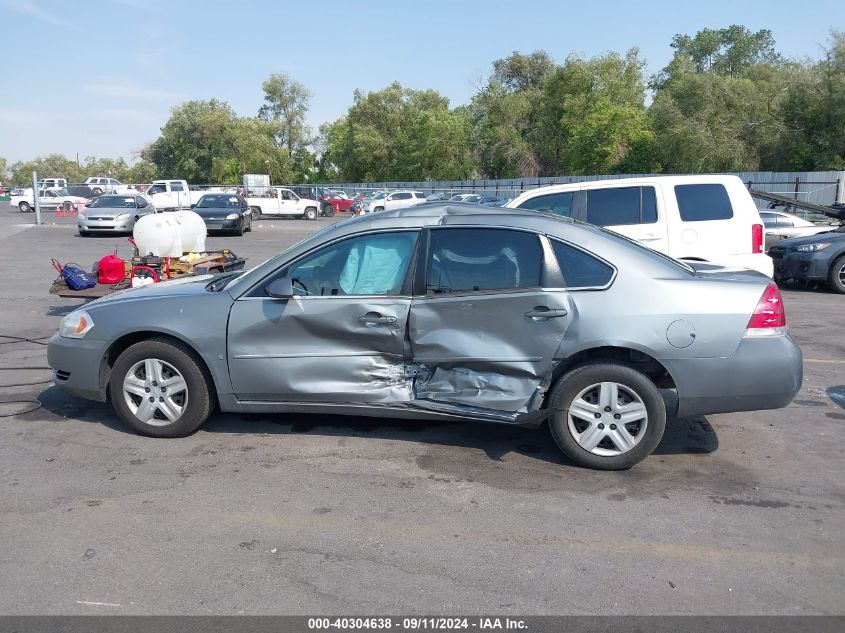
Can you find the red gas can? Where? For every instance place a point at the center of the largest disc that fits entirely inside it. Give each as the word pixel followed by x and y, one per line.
pixel 110 269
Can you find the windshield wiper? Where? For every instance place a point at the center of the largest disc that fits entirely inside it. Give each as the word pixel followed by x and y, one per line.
pixel 221 280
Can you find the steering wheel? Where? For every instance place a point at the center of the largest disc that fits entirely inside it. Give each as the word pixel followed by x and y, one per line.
pixel 296 282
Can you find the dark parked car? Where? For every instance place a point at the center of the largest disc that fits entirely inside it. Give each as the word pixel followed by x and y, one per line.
pixel 819 257
pixel 224 212
pixel 444 311
pixel 83 191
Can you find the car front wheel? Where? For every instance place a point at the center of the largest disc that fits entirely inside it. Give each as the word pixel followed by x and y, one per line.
pixel 310 213
pixel 836 275
pixel 159 388
pixel 607 416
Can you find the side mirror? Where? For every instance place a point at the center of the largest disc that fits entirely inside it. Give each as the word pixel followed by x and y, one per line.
pixel 193 206
pixel 281 288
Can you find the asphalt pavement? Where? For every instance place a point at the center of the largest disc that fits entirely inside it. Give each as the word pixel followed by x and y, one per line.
pixel 307 514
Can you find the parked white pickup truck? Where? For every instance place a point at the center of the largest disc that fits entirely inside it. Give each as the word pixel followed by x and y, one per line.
pixel 172 195
pixel 285 203
pixel 47 198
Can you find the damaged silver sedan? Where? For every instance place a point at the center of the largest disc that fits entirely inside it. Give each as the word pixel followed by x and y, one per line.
pixel 445 311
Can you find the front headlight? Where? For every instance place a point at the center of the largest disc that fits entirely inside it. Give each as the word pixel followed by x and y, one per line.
pixel 76 325
pixel 232 216
pixel 80 216
pixel 812 248
pixel 122 216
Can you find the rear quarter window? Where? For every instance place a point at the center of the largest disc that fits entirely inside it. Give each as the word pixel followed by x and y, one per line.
pixel 703 202
pixel 580 269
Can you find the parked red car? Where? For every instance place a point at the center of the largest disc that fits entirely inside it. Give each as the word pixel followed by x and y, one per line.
pixel 339 204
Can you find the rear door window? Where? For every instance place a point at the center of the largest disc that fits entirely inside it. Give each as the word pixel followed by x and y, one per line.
pixel 557 203
pixel 474 260
pixel 620 206
pixel 703 202
pixel 580 269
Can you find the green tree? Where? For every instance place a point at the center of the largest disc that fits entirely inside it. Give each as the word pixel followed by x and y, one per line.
pixel 286 102
pixel 728 51
pixel 399 134
pixel 814 111
pixel 593 117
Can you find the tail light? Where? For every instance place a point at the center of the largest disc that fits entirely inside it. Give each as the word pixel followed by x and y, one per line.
pixel 769 318
pixel 756 238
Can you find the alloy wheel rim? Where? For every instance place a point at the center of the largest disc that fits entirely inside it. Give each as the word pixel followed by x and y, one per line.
pixel 155 392
pixel 607 419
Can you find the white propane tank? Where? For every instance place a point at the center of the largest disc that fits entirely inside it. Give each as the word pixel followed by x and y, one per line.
pixel 170 234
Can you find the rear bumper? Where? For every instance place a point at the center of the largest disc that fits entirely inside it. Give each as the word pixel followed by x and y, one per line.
pixel 763 373
pixel 78 366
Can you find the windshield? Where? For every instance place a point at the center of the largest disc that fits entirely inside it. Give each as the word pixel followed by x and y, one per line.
pixel 113 202
pixel 219 202
pixel 272 263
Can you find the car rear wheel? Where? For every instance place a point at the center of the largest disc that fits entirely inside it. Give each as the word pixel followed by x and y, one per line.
pixel 160 389
pixel 256 213
pixel 25 207
pixel 836 275
pixel 310 213
pixel 97 191
pixel 608 416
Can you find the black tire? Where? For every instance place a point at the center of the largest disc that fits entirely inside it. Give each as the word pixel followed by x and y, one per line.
pixel 377 209
pixel 200 395
pixel 310 214
pixel 836 275
pixel 328 211
pixel 97 191
pixel 25 207
pixel 84 234
pixel 582 377
pixel 240 230
pixel 256 213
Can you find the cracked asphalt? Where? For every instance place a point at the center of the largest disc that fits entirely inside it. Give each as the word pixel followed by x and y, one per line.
pixel 305 514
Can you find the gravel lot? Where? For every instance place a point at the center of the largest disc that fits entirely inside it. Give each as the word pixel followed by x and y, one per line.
pixel 299 514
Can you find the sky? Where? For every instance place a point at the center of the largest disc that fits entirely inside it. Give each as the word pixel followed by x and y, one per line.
pixel 99 77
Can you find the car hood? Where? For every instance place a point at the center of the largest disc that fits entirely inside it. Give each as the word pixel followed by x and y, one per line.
pixel 829 236
pixel 187 286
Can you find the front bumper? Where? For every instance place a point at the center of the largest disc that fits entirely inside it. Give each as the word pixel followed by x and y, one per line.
pixel 763 373
pixel 799 266
pixel 109 225
pixel 79 366
pixel 214 224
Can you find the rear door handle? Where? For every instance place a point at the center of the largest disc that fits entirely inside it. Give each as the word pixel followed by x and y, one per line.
pixel 542 312
pixel 374 318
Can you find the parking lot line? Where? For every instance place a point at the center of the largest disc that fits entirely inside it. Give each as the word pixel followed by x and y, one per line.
pixel 824 360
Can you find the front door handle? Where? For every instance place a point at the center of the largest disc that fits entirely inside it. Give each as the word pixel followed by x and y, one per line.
pixel 542 312
pixel 374 318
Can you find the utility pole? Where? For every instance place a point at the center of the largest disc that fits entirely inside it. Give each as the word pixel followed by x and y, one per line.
pixel 35 198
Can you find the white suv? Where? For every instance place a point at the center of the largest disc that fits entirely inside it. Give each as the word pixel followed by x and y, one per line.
pixel 395 200
pixel 699 218
pixel 100 185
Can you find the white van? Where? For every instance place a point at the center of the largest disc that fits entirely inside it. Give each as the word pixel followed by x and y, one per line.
pixel 702 218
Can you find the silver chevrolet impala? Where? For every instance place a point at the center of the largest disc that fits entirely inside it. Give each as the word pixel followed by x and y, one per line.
pixel 445 311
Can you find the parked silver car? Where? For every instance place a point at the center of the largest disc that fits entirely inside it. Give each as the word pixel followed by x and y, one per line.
pixel 112 214
pixel 780 225
pixel 445 312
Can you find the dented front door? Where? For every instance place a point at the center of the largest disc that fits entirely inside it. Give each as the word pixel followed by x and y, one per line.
pixel 485 333
pixel 342 339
